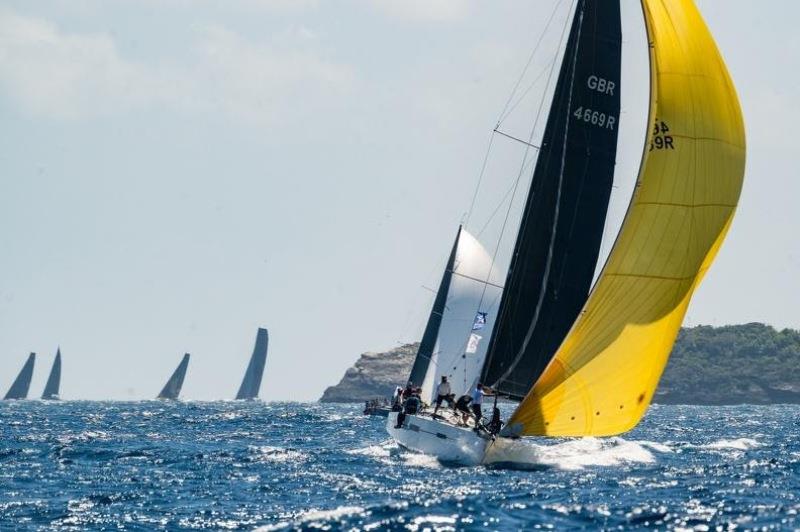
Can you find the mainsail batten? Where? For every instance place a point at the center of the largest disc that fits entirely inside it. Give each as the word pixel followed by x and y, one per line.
pixel 562 224
pixel 605 373
pixel 52 388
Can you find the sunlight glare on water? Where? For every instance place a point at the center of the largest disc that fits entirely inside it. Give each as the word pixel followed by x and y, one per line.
pixel 228 465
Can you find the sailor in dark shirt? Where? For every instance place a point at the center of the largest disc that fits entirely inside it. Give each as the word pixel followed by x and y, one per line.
pixel 462 406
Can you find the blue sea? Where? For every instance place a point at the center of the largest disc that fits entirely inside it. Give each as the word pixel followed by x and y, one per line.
pixel 274 466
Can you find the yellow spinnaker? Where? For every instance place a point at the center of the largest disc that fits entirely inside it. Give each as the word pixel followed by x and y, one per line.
pixel 604 375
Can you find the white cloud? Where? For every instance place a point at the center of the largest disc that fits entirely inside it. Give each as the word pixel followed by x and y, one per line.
pixel 56 74
pixel 423 10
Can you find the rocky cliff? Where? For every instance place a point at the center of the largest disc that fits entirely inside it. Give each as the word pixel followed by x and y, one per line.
pixel 373 375
pixel 734 364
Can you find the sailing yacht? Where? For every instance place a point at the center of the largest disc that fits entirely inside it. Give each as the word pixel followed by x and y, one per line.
pixel 251 383
pixel 22 384
pixel 585 359
pixel 53 385
pixel 172 389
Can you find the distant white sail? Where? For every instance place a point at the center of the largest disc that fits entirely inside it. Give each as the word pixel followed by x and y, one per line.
pixel 19 390
pixel 173 387
pixel 255 369
pixel 51 389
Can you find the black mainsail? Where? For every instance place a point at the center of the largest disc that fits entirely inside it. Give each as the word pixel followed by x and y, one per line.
pixel 428 342
pixel 255 369
pixel 51 388
pixel 561 229
pixel 19 389
pixel 172 389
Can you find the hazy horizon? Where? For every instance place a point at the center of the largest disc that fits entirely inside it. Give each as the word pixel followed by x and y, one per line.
pixel 177 174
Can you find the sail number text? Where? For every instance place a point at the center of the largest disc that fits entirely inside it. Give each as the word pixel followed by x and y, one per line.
pixel 661 140
pixel 596 118
pixel 596 83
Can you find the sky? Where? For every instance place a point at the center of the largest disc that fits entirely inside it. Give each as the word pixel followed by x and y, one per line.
pixel 175 174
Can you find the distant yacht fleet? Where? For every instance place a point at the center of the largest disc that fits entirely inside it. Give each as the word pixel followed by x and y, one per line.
pixel 249 389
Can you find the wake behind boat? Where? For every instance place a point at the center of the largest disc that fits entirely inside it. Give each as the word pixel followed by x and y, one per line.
pixel 585 360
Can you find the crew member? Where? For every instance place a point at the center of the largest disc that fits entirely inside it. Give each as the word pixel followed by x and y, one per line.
pixel 410 406
pixel 462 406
pixel 408 391
pixel 443 393
pixel 477 400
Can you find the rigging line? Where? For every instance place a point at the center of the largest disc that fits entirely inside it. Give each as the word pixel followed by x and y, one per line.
pixel 521 171
pixel 554 230
pixel 416 310
pixel 530 60
pixel 525 93
pixel 501 203
pixel 504 115
pixel 480 179
pixel 481 281
pixel 534 146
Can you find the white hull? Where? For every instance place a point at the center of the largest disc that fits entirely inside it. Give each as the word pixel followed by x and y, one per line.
pixel 448 443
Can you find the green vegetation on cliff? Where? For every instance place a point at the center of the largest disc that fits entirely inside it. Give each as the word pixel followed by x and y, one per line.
pixel 734 364
pixel 751 363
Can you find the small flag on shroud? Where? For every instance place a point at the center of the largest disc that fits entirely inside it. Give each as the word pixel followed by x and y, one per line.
pixel 480 321
pixel 472 344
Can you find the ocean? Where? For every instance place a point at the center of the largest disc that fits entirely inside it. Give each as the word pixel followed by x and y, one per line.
pixel 274 466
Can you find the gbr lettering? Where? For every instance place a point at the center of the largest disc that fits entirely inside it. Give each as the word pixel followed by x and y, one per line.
pixel 601 85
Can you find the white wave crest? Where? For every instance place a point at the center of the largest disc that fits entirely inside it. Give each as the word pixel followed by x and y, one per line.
pixel 572 454
pixel 267 453
pixel 739 444
pixel 384 449
pixel 308 517
pixel 421 460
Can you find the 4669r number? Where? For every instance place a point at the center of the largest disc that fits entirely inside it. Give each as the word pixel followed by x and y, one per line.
pixel 596 118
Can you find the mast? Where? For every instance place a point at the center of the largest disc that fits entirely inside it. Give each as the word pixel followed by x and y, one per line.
pixel 428 343
pixel 255 369
pixel 172 389
pixel 19 389
pixel 561 229
pixel 51 389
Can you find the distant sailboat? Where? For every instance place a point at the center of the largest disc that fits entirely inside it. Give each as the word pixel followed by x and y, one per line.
pixel 172 389
pixel 585 360
pixel 51 389
pixel 19 390
pixel 255 369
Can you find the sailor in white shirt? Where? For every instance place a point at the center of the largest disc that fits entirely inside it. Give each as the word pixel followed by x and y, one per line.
pixel 477 400
pixel 443 393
